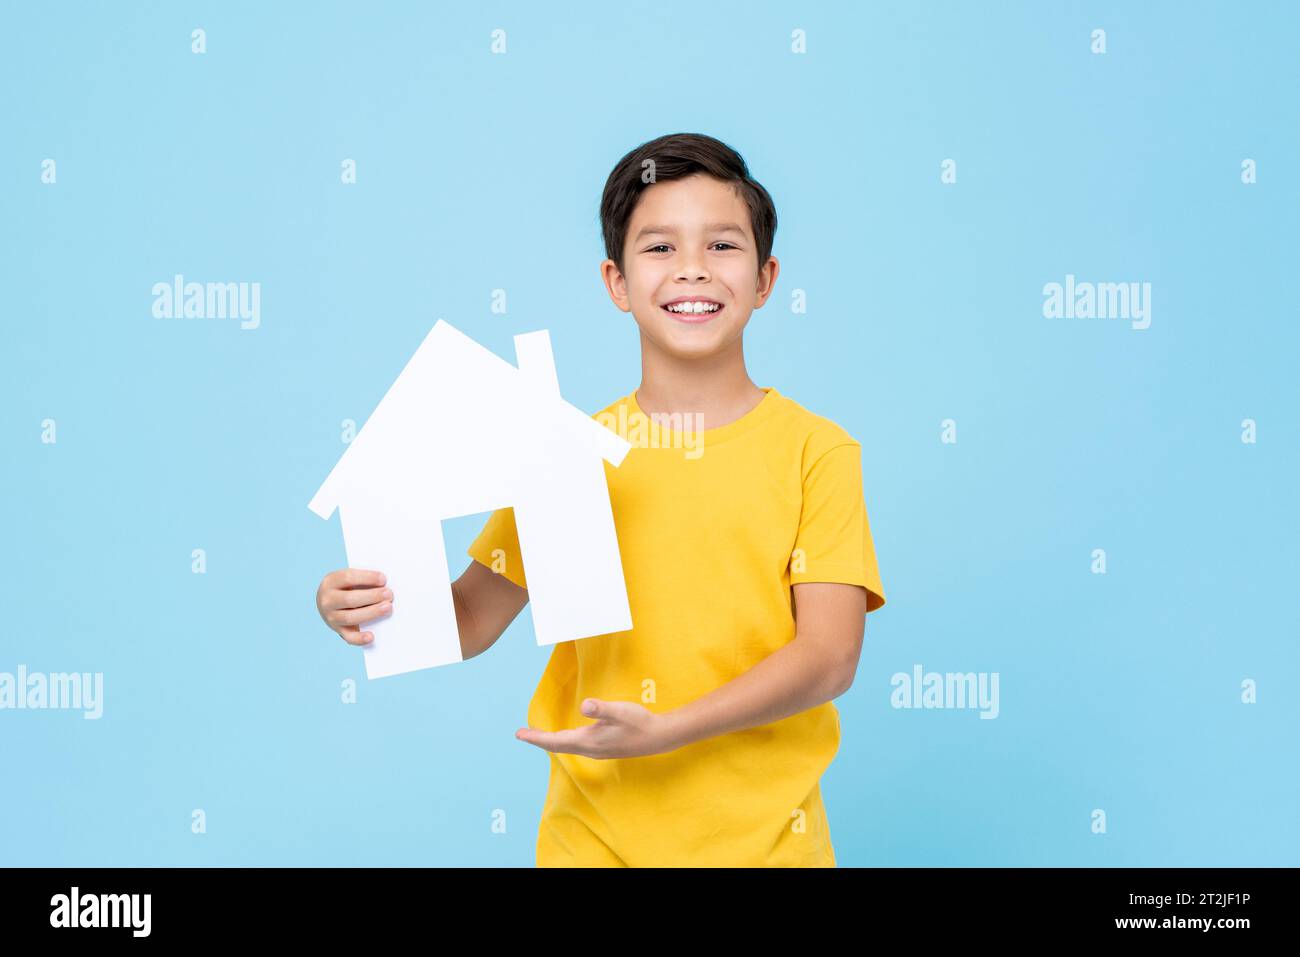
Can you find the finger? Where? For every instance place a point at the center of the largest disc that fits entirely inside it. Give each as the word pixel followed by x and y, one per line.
pixel 571 741
pixel 611 712
pixel 360 578
pixel 359 616
pixel 355 597
pixel 336 579
pixel 355 636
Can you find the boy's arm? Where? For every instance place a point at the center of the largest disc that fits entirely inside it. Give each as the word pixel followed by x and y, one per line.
pixel 486 603
pixel 818 665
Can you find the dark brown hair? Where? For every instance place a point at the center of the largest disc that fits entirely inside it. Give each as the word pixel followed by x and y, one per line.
pixel 677 156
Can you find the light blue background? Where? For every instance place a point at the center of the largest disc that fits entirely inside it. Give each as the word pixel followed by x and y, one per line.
pixel 478 172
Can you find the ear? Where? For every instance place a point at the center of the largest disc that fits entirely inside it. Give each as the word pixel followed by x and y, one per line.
pixel 615 285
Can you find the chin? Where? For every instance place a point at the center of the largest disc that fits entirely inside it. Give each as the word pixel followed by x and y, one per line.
pixel 686 340
pixel 691 343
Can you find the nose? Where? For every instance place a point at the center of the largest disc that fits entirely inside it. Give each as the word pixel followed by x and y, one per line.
pixel 692 268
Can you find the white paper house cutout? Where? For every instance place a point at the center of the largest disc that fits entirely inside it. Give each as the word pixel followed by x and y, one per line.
pixel 462 431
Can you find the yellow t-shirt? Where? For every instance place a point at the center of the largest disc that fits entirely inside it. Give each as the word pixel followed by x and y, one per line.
pixel 714 527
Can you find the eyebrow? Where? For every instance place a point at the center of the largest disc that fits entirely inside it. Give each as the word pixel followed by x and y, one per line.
pixel 671 230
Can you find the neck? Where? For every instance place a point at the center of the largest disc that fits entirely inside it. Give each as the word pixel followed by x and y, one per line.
pixel 717 387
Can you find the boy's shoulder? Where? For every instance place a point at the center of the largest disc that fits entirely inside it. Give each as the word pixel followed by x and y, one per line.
pixel 819 433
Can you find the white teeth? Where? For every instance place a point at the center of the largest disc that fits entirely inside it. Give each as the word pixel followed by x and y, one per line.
pixel 694 307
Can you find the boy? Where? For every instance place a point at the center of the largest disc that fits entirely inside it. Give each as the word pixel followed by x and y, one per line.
pixel 699 737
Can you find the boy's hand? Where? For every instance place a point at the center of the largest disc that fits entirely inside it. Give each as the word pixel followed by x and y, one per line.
pixel 623 729
pixel 350 597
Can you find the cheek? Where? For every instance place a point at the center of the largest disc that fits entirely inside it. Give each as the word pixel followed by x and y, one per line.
pixel 741 282
pixel 642 289
pixel 649 287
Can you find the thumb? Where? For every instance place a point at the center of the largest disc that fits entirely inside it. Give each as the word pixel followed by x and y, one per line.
pixel 594 708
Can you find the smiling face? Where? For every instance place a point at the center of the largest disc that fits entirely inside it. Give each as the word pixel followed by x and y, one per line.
pixel 692 277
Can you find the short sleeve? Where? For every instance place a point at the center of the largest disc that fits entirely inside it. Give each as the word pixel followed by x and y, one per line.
pixel 834 543
pixel 497 546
